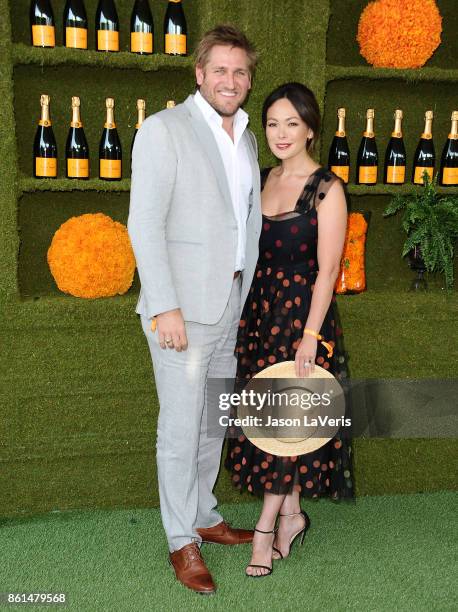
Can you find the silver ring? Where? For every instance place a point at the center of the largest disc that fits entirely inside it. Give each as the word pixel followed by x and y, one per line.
pixel 307 363
pixel 169 341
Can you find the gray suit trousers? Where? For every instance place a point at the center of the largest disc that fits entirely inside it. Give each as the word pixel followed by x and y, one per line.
pixel 188 459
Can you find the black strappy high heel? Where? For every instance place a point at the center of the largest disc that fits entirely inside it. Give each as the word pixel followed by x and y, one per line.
pixel 301 532
pixel 269 569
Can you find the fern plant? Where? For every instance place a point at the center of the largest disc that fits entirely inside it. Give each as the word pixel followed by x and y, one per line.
pixel 431 223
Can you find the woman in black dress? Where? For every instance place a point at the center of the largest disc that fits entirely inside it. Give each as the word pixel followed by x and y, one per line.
pixel 304 222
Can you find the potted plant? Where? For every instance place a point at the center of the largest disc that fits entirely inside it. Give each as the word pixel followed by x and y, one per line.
pixel 430 221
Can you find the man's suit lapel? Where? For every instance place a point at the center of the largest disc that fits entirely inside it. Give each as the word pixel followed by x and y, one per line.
pixel 256 201
pixel 205 135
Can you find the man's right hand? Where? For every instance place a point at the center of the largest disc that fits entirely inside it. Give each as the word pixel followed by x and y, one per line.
pixel 172 330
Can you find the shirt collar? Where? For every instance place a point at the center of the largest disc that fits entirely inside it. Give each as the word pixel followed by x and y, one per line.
pixel 240 117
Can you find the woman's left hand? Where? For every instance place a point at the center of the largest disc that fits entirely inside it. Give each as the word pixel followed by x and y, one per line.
pixel 305 356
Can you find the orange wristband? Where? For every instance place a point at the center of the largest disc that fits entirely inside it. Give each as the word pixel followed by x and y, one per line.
pixel 153 325
pixel 319 337
pixel 309 331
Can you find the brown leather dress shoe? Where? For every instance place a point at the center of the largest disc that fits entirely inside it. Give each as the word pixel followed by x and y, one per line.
pixel 224 534
pixel 190 569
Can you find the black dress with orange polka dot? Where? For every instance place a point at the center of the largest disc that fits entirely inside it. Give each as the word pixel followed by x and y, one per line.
pixel 271 328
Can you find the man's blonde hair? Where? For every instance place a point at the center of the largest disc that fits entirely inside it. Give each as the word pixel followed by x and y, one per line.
pixel 229 36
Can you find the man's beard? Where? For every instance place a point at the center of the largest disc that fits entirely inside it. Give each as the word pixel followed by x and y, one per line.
pixel 224 113
pixel 221 110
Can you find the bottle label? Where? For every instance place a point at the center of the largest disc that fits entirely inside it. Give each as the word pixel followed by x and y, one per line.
pixel 368 174
pixel 418 176
pixel 107 40
pixel 43 36
pixel 175 44
pixel 78 168
pixel 341 171
pixel 340 134
pixel 76 38
pixel 395 174
pixel 141 42
pixel 368 134
pixel 426 136
pixel 110 168
pixel 396 134
pixel 44 122
pixel 450 176
pixel 46 166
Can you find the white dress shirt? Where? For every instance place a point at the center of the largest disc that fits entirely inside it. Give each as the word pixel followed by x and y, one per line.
pixel 237 165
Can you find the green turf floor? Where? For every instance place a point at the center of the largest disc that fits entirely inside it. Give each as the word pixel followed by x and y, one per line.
pixel 380 553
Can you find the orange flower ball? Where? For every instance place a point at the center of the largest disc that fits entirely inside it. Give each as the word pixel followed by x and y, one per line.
pixel 352 275
pixel 399 33
pixel 91 256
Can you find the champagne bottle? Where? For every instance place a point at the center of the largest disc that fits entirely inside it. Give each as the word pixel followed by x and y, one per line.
pixel 141 106
pixel 107 26
pixel 42 23
pixel 449 161
pixel 141 28
pixel 339 154
pixel 395 156
pixel 75 24
pixel 175 29
pixel 425 156
pixel 44 146
pixel 76 148
pixel 367 164
pixel 110 152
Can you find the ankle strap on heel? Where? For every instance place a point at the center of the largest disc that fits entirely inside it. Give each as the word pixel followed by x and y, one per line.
pixel 260 531
pixel 292 514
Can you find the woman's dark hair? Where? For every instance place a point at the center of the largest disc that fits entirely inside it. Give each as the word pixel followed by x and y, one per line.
pixel 303 100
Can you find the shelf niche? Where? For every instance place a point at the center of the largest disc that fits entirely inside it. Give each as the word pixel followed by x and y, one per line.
pixel 40 216
pixel 20 26
pixel 385 96
pixel 93 86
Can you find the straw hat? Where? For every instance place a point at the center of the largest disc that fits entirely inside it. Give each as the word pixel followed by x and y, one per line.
pixel 292 440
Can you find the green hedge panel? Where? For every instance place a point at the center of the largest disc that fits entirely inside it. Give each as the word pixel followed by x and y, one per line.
pixel 127 478
pixel 410 75
pixel 9 242
pixel 96 480
pixel 79 407
pixel 25 54
pixel 103 360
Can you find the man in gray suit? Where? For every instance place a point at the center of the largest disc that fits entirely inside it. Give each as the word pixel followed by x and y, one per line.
pixel 194 224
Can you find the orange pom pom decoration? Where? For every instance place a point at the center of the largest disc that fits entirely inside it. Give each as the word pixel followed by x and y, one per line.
pixel 91 256
pixel 399 33
pixel 352 276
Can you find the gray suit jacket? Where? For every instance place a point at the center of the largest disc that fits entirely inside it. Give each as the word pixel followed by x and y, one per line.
pixel 181 220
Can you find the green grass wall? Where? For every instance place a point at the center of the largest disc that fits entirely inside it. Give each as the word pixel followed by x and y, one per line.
pixel 77 394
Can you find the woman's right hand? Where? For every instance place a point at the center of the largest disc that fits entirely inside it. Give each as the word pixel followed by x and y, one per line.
pixel 305 356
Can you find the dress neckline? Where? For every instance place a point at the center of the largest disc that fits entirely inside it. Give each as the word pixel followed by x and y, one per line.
pixel 288 212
